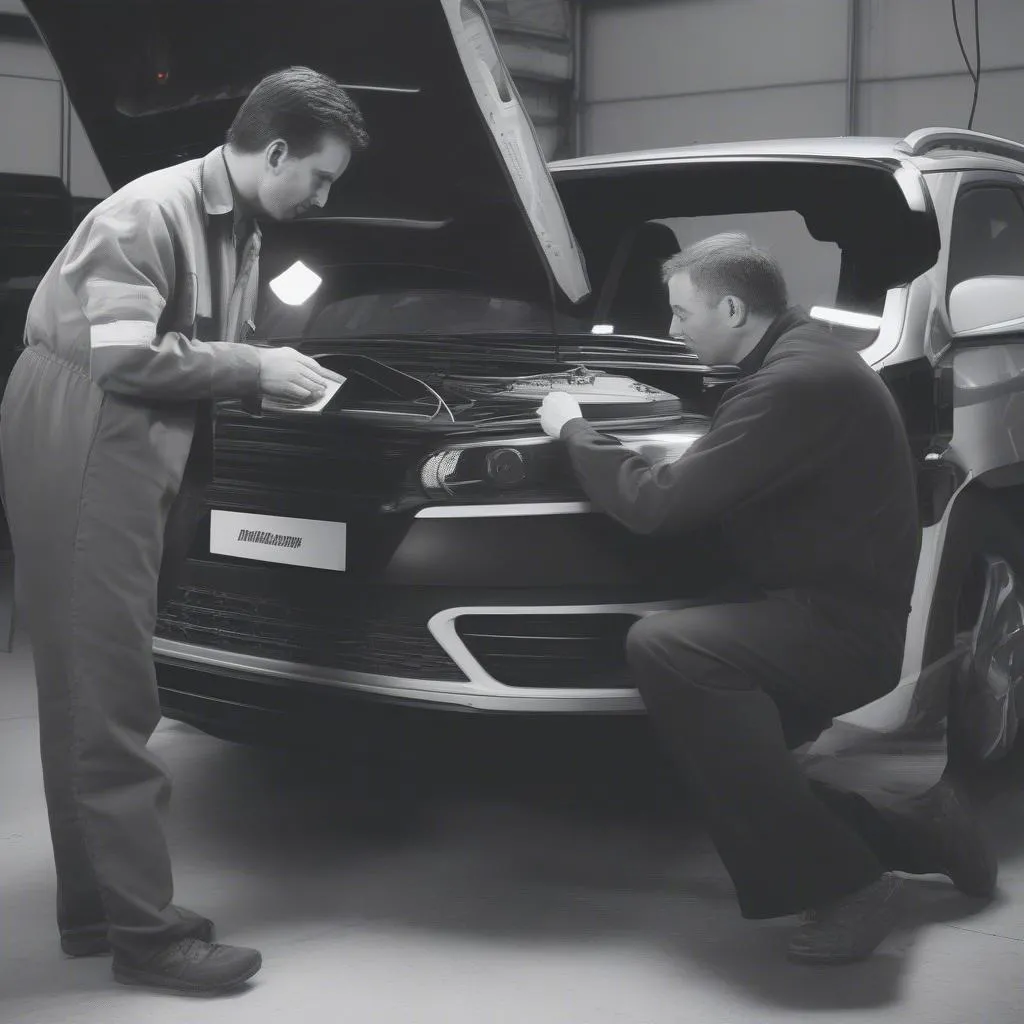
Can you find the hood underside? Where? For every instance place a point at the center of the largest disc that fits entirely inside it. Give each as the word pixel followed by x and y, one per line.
pixel 156 82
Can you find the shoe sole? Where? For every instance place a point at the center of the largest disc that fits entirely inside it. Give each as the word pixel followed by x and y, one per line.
pixel 128 976
pixel 830 960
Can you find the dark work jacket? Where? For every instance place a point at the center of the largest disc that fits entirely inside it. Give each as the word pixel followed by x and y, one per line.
pixel 806 469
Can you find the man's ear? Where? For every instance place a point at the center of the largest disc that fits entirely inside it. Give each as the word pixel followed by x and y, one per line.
pixel 735 310
pixel 277 153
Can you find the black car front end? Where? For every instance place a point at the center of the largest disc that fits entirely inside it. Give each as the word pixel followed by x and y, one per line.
pixel 466 568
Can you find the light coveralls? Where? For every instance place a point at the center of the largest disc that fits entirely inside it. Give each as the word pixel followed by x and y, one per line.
pixel 96 430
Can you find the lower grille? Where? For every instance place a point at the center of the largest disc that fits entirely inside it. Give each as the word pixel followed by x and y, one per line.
pixel 353 635
pixel 586 651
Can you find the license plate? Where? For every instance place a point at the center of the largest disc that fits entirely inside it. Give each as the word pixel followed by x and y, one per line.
pixel 309 542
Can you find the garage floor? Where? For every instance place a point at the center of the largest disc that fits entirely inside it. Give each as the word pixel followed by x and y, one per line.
pixel 482 873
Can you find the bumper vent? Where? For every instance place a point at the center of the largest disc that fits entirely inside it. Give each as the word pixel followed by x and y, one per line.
pixel 586 651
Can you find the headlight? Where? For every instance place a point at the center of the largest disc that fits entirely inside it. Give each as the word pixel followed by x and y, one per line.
pixel 438 470
pixel 474 470
pixel 533 464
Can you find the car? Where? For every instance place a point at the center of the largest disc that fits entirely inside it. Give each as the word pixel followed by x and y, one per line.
pixel 418 540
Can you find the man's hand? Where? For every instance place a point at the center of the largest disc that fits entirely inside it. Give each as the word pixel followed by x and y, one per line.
pixel 556 410
pixel 290 376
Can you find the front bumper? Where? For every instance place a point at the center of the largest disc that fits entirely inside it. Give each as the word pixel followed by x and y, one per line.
pixel 196 674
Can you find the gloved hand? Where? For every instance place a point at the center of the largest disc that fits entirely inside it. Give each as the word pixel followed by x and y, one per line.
pixel 289 376
pixel 556 410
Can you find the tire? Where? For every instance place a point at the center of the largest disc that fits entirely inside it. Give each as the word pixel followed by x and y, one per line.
pixel 987 695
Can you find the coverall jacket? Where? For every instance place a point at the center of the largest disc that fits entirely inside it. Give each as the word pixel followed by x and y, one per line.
pixel 130 335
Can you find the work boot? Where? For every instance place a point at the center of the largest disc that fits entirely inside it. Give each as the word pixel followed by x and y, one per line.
pixel 91 940
pixel 190 966
pixel 948 841
pixel 849 929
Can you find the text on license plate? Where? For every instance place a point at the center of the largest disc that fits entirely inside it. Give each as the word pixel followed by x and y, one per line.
pixel 310 542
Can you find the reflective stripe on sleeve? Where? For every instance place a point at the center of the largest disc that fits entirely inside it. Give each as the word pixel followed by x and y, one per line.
pixel 122 332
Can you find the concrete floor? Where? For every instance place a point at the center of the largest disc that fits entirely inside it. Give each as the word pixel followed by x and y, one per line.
pixel 481 873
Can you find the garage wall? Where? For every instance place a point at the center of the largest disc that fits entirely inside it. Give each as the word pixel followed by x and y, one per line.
pixel 913 75
pixel 676 72
pixel 536 41
pixel 42 134
pixel 668 74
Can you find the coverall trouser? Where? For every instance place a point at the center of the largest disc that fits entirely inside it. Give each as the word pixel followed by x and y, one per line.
pixel 87 514
pixel 731 689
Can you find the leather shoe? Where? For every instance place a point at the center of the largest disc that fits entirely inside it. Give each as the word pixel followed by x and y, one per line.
pixel 91 940
pixel 848 929
pixel 190 966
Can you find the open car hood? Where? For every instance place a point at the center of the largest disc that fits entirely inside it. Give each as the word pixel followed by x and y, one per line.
pixel 453 153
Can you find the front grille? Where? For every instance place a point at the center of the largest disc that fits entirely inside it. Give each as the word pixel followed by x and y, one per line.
pixel 353 634
pixel 585 651
pixel 329 465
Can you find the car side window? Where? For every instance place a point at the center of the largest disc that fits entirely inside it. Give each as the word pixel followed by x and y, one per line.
pixel 987 237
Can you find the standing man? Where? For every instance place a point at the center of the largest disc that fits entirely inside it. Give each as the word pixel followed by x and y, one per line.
pixel 105 442
pixel 808 470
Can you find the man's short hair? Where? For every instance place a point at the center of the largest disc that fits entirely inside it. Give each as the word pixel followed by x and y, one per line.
pixel 730 264
pixel 301 106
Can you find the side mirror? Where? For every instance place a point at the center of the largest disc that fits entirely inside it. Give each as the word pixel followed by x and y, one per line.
pixel 987 306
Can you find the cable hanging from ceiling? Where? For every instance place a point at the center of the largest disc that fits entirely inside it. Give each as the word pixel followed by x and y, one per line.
pixel 975 71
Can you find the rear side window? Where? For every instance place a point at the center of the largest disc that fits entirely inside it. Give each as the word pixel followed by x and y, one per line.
pixel 987 237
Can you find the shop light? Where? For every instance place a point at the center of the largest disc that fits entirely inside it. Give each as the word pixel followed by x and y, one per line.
pixel 846 318
pixel 296 284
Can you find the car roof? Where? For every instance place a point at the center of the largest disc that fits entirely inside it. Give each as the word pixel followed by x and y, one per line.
pixel 931 150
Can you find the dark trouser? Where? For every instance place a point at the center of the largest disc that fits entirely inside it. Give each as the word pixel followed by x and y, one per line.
pixel 731 688
pixel 87 511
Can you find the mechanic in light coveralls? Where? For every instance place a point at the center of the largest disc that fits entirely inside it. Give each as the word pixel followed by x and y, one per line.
pixel 105 445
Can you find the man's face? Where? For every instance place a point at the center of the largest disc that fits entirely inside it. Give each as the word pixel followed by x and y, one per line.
pixel 706 328
pixel 290 186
